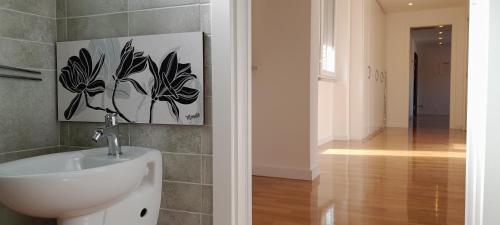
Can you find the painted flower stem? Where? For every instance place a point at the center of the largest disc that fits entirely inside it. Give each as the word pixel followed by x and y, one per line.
pixel 96 107
pixel 151 111
pixel 114 104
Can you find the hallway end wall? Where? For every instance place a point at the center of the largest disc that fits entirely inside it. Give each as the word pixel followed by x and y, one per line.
pixel 434 80
pixel 398 64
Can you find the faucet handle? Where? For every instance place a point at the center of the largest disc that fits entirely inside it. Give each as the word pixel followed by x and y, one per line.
pixel 97 135
pixel 111 119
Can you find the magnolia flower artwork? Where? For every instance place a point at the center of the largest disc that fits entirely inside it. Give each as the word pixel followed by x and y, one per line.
pixel 144 79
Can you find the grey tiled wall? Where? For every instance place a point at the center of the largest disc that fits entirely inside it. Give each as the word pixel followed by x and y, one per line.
pixel 28 125
pixel 27 41
pixel 187 153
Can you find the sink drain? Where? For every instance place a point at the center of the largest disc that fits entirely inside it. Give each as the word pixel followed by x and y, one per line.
pixel 144 212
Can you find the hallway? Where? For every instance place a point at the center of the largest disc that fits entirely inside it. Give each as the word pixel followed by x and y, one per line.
pixel 399 177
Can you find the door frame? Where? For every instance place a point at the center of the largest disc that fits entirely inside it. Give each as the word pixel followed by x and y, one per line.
pixel 415 87
pixel 477 145
pixel 231 99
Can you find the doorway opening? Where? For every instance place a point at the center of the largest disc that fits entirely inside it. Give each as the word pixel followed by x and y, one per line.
pixel 430 77
pixel 363 104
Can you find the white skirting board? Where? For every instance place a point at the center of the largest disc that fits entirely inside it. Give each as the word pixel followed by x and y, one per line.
pixel 324 140
pixel 288 173
pixel 334 137
pixel 340 137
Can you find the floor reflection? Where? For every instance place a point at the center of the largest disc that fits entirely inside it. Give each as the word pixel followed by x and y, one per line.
pixel 399 177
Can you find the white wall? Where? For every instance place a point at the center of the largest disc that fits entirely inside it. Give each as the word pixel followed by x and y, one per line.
pixel 281 90
pixel 314 71
pixel 325 112
pixel 357 73
pixel 375 59
pixel 397 54
pixel 358 102
pixel 434 79
pixel 333 102
pixel 366 100
pixel 340 117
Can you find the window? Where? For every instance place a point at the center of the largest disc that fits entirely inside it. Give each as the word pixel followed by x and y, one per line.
pixel 327 39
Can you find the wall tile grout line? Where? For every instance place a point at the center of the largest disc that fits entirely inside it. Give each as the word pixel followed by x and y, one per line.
pixel 201 180
pixel 165 7
pixel 34 68
pixel 131 11
pixel 80 147
pixel 29 41
pixel 202 195
pixel 66 19
pixel 68 132
pixel 183 154
pixel 59 138
pixel 54 6
pixel 29 149
pixel 162 152
pixel 185 182
pixel 182 211
pixel 27 13
pixel 207 35
pixel 129 135
pixel 128 19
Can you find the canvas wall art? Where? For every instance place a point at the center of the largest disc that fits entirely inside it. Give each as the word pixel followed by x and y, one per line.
pixel 144 79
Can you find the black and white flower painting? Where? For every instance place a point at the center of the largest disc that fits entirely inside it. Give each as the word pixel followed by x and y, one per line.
pixel 145 79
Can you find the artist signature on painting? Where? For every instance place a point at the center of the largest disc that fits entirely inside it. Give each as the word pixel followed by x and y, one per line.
pixel 191 117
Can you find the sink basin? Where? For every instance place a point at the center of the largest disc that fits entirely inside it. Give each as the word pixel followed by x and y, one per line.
pixel 86 187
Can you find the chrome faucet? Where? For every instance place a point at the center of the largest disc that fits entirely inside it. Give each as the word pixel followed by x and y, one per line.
pixel 111 132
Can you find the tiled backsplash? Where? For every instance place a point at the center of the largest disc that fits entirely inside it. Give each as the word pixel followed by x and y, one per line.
pixel 28 111
pixel 187 153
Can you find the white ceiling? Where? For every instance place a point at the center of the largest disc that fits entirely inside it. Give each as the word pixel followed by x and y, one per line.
pixel 391 6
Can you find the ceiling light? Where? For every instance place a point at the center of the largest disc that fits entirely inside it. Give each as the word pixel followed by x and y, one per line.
pixel 440 32
pixel 441 26
pixel 440 43
pixel 410 3
pixel 440 38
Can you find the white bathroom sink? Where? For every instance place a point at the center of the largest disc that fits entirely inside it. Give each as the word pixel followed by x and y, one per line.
pixel 86 186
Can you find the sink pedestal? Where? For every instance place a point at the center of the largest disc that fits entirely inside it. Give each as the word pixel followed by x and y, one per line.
pixel 141 207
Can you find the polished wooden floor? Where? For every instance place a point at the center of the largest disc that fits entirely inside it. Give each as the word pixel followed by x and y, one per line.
pixel 398 177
